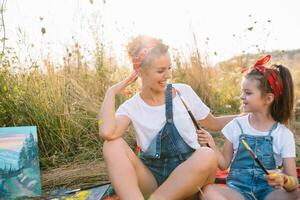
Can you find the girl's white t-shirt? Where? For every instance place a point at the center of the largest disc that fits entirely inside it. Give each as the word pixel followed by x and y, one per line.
pixel 148 120
pixel 283 138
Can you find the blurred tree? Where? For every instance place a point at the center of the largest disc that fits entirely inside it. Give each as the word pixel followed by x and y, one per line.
pixel 2 28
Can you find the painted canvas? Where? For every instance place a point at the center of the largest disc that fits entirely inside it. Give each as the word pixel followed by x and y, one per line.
pixel 100 192
pixel 19 163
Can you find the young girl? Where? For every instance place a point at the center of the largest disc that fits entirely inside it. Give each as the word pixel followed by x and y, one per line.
pixel 267 97
pixel 172 165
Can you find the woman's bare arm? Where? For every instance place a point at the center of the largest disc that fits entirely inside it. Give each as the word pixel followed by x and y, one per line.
pixel 112 127
pixel 216 123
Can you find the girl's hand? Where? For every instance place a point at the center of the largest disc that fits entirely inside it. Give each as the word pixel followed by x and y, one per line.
pixel 275 179
pixel 119 87
pixel 205 137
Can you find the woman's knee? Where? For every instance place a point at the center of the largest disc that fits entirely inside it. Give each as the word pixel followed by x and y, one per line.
pixel 207 157
pixel 208 188
pixel 202 161
pixel 112 146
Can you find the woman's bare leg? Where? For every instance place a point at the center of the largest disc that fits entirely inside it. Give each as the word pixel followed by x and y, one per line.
pixel 282 194
pixel 185 181
pixel 129 176
pixel 220 192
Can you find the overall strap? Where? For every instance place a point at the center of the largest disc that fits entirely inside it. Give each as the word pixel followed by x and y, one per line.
pixel 169 103
pixel 240 126
pixel 273 128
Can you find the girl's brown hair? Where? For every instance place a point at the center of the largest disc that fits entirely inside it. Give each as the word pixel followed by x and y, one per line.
pixel 282 107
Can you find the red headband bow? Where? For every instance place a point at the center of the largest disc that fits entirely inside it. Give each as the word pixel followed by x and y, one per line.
pixel 142 54
pixel 272 76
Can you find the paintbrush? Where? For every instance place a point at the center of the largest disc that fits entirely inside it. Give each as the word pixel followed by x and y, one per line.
pixel 83 188
pixel 253 155
pixel 190 113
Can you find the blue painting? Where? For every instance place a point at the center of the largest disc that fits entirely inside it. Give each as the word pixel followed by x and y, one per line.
pixel 19 163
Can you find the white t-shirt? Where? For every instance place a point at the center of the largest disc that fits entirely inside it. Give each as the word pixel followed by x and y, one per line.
pixel 283 138
pixel 148 120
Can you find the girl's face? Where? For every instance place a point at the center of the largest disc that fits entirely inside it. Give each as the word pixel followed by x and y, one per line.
pixel 252 98
pixel 156 75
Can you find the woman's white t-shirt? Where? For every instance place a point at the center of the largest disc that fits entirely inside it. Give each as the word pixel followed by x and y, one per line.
pixel 148 120
pixel 283 138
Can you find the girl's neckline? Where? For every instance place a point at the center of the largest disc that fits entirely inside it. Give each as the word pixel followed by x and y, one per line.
pixel 256 130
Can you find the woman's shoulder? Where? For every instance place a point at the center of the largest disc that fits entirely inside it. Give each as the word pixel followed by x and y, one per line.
pixel 132 100
pixel 182 86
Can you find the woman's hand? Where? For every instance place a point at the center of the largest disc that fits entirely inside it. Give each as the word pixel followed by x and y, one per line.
pixel 205 137
pixel 119 87
pixel 275 179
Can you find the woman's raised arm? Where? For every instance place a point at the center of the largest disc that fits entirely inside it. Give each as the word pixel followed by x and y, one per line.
pixel 112 127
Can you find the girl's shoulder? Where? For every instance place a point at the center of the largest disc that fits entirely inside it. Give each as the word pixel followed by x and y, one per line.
pixel 234 129
pixel 240 120
pixel 236 125
pixel 283 130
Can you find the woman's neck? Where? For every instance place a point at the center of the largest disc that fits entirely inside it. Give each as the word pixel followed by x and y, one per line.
pixel 152 98
pixel 261 121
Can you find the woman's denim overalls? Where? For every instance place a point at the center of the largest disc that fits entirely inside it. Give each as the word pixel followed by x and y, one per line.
pixel 167 150
pixel 245 175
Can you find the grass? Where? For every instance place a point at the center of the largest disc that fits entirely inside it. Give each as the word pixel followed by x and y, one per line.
pixel 63 102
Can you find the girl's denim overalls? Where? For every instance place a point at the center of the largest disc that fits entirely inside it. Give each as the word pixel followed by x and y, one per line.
pixel 167 150
pixel 245 175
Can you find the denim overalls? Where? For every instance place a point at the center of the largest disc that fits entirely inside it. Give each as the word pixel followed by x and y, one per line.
pixel 167 150
pixel 245 175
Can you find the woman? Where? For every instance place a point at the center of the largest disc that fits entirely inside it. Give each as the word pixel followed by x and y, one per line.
pixel 172 165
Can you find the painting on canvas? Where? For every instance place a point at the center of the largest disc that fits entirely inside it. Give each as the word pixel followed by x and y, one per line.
pixel 19 163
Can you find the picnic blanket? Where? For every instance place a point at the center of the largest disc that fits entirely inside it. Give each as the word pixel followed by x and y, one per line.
pixel 106 192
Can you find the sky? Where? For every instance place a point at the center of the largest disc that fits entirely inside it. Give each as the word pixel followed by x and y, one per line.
pixel 12 142
pixel 12 138
pixel 219 29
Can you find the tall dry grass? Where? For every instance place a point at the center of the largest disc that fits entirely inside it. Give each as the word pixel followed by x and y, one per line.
pixel 62 103
pixel 63 100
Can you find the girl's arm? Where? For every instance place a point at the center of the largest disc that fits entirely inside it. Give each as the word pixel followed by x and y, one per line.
pixel 216 123
pixel 291 179
pixel 288 179
pixel 224 157
pixel 227 153
pixel 112 127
